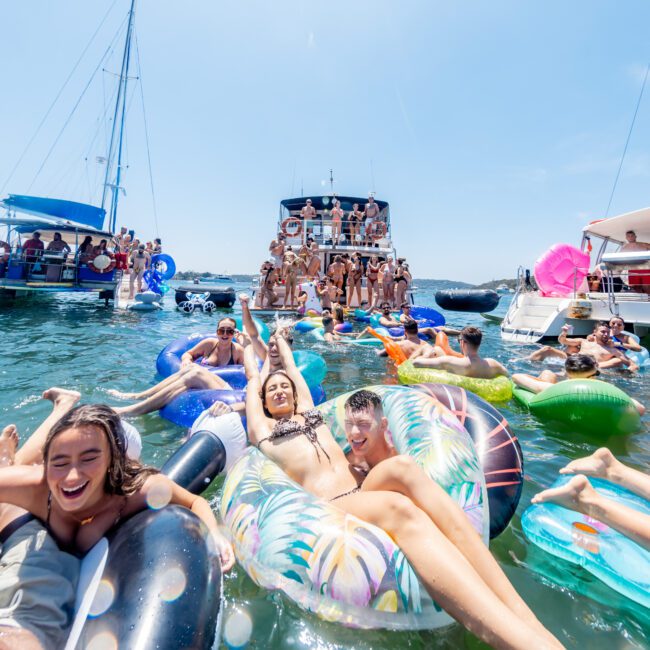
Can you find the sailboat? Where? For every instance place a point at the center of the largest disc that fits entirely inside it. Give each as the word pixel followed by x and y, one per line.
pixel 53 245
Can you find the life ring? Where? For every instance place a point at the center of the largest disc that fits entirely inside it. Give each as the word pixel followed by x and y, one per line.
pixel 7 251
pixel 288 221
pixel 379 230
pixel 98 262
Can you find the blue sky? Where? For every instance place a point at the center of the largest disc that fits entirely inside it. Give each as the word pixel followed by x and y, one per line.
pixel 493 129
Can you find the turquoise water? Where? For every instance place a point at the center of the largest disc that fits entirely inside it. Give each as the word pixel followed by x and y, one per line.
pixel 74 342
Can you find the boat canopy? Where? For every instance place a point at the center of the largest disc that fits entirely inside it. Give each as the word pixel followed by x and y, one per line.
pixel 26 225
pixel 327 202
pixel 615 228
pixel 78 213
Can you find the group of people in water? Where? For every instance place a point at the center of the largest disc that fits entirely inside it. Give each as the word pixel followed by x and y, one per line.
pixel 78 475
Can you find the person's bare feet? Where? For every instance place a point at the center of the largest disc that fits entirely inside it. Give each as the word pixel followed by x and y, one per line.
pixel 576 495
pixel 598 464
pixel 8 445
pixel 62 397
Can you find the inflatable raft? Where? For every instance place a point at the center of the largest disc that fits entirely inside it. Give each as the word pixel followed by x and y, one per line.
pixel 472 300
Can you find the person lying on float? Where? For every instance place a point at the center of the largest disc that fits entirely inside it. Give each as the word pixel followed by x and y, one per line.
pixel 471 364
pixel 576 366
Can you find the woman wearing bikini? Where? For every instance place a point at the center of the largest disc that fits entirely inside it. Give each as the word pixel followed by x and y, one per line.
pixel 285 426
pixel 355 276
pixel 214 352
pixel 336 214
pixel 387 272
pixel 372 285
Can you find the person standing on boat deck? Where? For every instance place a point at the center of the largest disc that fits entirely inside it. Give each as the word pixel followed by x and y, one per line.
pixel 387 272
pixel 337 217
pixel 141 261
pixel 313 267
pixel 58 245
pixel 371 213
pixel 276 248
pixel 639 279
pixel 355 277
pixel 308 214
pixel 335 272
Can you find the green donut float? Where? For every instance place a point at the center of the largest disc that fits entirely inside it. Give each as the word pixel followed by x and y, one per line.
pixel 492 390
pixel 587 405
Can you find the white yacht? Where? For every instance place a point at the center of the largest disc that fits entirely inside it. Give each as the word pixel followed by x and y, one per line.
pixel 321 229
pixel 611 288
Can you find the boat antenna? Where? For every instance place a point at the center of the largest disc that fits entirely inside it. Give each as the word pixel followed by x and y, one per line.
pixel 332 182
pixel 293 177
pixel 627 142
pixel 372 178
pixel 120 110
pixel 302 188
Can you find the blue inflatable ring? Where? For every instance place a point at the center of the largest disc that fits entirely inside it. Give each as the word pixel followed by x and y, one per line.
pixel 169 265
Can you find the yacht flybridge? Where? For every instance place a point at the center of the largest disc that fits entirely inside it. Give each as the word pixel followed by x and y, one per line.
pixel 616 283
pixel 324 231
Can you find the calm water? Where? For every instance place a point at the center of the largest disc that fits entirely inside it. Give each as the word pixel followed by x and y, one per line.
pixel 76 343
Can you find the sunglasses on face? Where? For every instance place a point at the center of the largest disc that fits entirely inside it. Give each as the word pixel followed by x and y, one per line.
pixel 227 331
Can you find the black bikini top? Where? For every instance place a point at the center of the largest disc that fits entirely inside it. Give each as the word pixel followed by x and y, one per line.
pixel 286 427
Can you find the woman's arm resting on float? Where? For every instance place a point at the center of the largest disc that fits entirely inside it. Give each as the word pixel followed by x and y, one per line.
pixel 197 351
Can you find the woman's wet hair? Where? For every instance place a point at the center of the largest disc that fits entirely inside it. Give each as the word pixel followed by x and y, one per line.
pixel 364 400
pixel 339 314
pixel 273 374
pixel 124 476
pixel 580 363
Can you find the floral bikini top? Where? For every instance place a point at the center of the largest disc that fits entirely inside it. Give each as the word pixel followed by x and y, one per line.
pixel 286 427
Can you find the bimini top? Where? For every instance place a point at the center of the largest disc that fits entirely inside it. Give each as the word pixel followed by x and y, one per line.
pixel 327 202
pixel 80 214
pixel 28 224
pixel 615 228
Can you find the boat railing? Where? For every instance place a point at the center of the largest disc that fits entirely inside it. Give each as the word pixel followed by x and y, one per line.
pixel 514 303
pixel 335 233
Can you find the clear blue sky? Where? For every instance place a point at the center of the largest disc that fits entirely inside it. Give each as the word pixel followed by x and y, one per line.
pixel 495 129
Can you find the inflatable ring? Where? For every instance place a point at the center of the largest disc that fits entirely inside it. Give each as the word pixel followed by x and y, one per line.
pixel 7 251
pixel 330 562
pixel 497 446
pixel 589 406
pixel 498 389
pixel 287 222
pixel 640 357
pixel 310 323
pixel 319 335
pixel 427 316
pixel 607 554
pixel 161 259
pixel 102 262
pixel 379 230
pixel 472 300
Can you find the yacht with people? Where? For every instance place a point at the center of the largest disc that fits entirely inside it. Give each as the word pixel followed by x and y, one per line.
pixel 609 275
pixel 321 227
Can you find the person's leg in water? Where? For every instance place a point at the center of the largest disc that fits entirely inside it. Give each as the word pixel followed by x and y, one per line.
pixel 62 401
pixel 447 575
pixel 168 381
pixel 197 377
pixel 403 475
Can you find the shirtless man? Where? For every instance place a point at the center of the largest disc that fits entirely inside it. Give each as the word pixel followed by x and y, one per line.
pixel 313 266
pixel 412 345
pixel 323 293
pixel 386 320
pixel 58 245
pixel 576 366
pixel 471 364
pixel 637 279
pixel 308 214
pixel 141 261
pixel 601 348
pixel 276 248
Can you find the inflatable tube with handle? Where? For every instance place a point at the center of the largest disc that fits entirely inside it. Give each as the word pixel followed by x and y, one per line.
pixel 472 300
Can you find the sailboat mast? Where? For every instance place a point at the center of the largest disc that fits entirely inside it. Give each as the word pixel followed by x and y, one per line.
pixel 118 117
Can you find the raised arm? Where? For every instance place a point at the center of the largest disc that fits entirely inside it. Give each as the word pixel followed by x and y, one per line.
pixel 258 426
pixel 250 328
pixel 564 340
pixel 305 401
